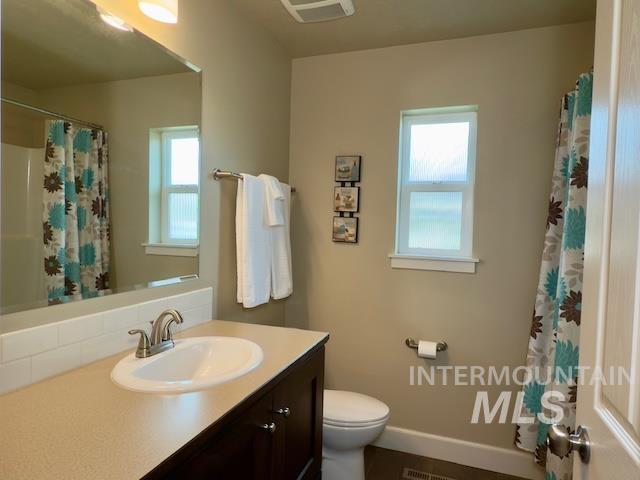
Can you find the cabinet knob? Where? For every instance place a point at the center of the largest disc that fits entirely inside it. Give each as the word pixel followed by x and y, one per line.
pixel 269 427
pixel 285 412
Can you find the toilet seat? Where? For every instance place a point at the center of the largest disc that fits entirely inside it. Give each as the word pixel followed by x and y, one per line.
pixel 353 410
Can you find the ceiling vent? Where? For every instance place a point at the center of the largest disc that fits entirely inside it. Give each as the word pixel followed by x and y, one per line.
pixel 305 11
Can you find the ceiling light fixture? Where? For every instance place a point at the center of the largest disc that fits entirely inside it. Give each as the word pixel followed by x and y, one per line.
pixel 165 11
pixel 112 20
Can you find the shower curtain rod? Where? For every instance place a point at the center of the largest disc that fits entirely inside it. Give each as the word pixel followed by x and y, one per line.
pixel 52 114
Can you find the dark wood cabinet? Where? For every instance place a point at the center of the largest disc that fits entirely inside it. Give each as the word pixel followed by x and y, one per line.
pixel 276 434
pixel 297 404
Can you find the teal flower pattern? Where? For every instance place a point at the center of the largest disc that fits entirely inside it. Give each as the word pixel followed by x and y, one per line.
pixel 87 178
pixel 82 141
pixel 575 228
pixel 82 218
pixel 533 397
pixel 551 285
pixel 76 244
pixel 87 254
pixel 57 217
pixel 566 360
pixel 56 134
pixel 558 303
pixel 70 192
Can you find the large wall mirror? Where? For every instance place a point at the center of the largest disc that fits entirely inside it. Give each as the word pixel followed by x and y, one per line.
pixel 100 160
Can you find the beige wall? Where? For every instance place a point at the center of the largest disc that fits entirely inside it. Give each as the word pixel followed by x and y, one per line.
pixel 350 104
pixel 128 109
pixel 19 126
pixel 245 127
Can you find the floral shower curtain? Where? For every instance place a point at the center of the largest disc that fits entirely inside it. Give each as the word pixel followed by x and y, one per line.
pixel 552 358
pixel 76 212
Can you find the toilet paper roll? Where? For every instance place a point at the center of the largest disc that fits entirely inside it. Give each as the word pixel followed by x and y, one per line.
pixel 427 349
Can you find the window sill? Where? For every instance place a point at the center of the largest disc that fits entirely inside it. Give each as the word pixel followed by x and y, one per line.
pixel 171 249
pixel 440 264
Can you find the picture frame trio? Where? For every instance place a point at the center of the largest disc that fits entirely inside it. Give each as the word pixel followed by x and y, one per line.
pixel 346 198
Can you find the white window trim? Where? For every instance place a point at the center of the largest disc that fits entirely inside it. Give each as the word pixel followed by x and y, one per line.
pixel 440 264
pixel 431 259
pixel 166 188
pixel 171 250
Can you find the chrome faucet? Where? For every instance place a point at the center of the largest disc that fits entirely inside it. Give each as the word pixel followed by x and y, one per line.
pixel 161 335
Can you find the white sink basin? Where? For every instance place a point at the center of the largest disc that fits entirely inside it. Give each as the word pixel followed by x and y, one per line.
pixel 193 364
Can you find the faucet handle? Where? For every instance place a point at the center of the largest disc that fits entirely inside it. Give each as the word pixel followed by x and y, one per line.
pixel 144 345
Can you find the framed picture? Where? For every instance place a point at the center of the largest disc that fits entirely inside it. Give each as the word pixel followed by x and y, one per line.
pixel 345 229
pixel 346 199
pixel 348 168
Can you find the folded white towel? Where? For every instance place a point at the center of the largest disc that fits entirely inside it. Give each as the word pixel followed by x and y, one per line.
pixel 253 243
pixel 274 200
pixel 281 274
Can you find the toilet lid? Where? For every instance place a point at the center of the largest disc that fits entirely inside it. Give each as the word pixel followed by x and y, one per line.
pixel 350 408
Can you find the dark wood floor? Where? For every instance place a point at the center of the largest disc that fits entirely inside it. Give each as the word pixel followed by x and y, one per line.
pixel 383 464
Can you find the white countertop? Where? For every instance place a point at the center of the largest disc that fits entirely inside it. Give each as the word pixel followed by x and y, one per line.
pixel 80 425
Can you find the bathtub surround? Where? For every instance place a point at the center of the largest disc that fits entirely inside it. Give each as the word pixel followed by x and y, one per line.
pixel 351 102
pixel 555 328
pixel 28 356
pixel 21 282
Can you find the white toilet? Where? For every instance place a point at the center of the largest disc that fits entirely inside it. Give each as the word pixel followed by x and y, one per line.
pixel 350 422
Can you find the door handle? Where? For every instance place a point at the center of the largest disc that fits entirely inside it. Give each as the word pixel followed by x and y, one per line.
pixel 561 442
pixel 285 412
pixel 269 427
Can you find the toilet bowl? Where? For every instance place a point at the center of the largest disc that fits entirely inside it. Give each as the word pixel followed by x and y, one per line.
pixel 350 422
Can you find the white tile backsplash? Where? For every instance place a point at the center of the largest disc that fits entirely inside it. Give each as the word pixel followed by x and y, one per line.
pixel 81 328
pixel 15 374
pixel 28 342
pixel 196 315
pixel 149 311
pixel 121 318
pixel 105 346
pixel 55 361
pixel 31 355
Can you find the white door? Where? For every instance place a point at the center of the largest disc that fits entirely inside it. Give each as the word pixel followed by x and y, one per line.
pixel 610 328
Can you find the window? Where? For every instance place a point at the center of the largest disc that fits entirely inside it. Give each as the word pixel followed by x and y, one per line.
pixel 174 166
pixel 180 172
pixel 435 192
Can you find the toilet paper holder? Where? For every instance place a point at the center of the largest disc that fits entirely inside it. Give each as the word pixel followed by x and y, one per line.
pixel 440 346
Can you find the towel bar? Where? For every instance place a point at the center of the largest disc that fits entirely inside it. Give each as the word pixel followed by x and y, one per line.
pixel 217 174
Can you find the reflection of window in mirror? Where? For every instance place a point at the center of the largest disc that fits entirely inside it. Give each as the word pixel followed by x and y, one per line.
pixel 174 159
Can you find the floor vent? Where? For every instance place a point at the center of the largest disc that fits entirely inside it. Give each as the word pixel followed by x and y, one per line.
pixel 411 474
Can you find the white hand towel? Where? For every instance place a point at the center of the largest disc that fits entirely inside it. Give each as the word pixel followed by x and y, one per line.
pixel 253 243
pixel 281 274
pixel 274 200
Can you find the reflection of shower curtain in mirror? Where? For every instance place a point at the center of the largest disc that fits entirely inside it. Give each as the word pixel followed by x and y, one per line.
pixel 76 212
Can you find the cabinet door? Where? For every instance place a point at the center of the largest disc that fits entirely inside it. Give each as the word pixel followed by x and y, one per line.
pixel 243 450
pixel 299 434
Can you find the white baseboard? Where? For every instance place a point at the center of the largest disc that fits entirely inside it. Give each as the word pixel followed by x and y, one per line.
pixel 486 457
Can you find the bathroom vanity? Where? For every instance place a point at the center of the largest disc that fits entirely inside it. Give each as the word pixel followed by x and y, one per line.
pixel 266 424
pixel 274 434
